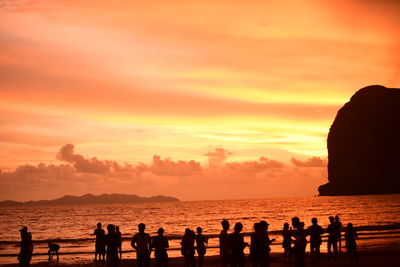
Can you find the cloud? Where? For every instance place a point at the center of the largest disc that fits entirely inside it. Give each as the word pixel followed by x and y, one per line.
pixel 82 164
pixel 185 179
pixel 169 167
pixel 310 162
pixel 217 156
pixel 254 167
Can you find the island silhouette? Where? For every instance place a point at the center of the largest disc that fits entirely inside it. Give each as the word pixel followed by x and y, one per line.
pixel 364 144
pixel 92 199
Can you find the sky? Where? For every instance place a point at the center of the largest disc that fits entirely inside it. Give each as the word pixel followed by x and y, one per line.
pixel 200 100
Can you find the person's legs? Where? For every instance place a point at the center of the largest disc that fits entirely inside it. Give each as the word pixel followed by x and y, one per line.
pixel 329 247
pixel 242 261
pixel 355 253
pixel 317 252
pixel 335 250
pixel 224 260
pixel 139 260
pixel 201 258
pixel 95 252
pixel 312 252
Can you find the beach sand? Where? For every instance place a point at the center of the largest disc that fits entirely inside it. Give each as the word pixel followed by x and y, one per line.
pixel 371 257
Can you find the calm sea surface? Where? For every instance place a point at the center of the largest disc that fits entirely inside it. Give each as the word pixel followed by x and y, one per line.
pixel 72 226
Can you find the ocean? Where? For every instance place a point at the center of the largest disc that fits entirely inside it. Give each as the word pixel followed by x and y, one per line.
pixel 72 226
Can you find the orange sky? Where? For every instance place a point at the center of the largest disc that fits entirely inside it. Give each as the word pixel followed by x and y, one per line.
pixel 195 99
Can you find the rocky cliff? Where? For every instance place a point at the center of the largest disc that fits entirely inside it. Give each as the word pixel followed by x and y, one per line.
pixel 364 144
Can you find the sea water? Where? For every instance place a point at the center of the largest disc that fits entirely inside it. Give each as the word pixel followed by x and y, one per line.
pixel 72 226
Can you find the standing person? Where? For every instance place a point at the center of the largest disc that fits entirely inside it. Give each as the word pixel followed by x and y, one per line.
pixel 201 242
pixel 100 246
pixel 224 250
pixel 112 243
pixel 315 231
pixel 237 245
pixel 300 242
pixel 332 239
pixel 160 245
pixel 287 244
pixel 339 226
pixel 119 235
pixel 256 242
pixel 351 245
pixel 260 245
pixel 187 248
pixel 26 251
pixel 266 247
pixel 141 242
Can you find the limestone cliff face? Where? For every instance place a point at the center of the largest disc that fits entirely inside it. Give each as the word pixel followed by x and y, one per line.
pixel 364 144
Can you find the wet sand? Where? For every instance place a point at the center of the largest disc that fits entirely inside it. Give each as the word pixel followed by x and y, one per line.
pixel 371 257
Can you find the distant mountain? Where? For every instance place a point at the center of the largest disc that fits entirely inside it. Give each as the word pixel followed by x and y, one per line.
pixel 91 199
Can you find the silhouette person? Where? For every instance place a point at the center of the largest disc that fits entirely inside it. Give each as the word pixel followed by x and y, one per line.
pixel 255 244
pixel 112 243
pixel 237 245
pixel 339 226
pixel 287 244
pixel 315 231
pixel 201 242
pixel 332 238
pixel 187 248
pixel 119 235
pixel 351 245
pixel 100 246
pixel 300 242
pixel 53 250
pixel 266 249
pixel 224 250
pixel 141 242
pixel 160 245
pixel 260 245
pixel 26 247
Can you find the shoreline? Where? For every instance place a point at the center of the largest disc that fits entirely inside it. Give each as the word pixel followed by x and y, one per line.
pixel 387 255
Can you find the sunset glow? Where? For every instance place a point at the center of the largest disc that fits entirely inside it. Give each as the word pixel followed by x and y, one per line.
pixel 194 99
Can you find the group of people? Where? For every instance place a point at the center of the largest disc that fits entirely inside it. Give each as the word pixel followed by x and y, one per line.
pixel 108 247
pixel 298 235
pixel 112 241
pixel 232 245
